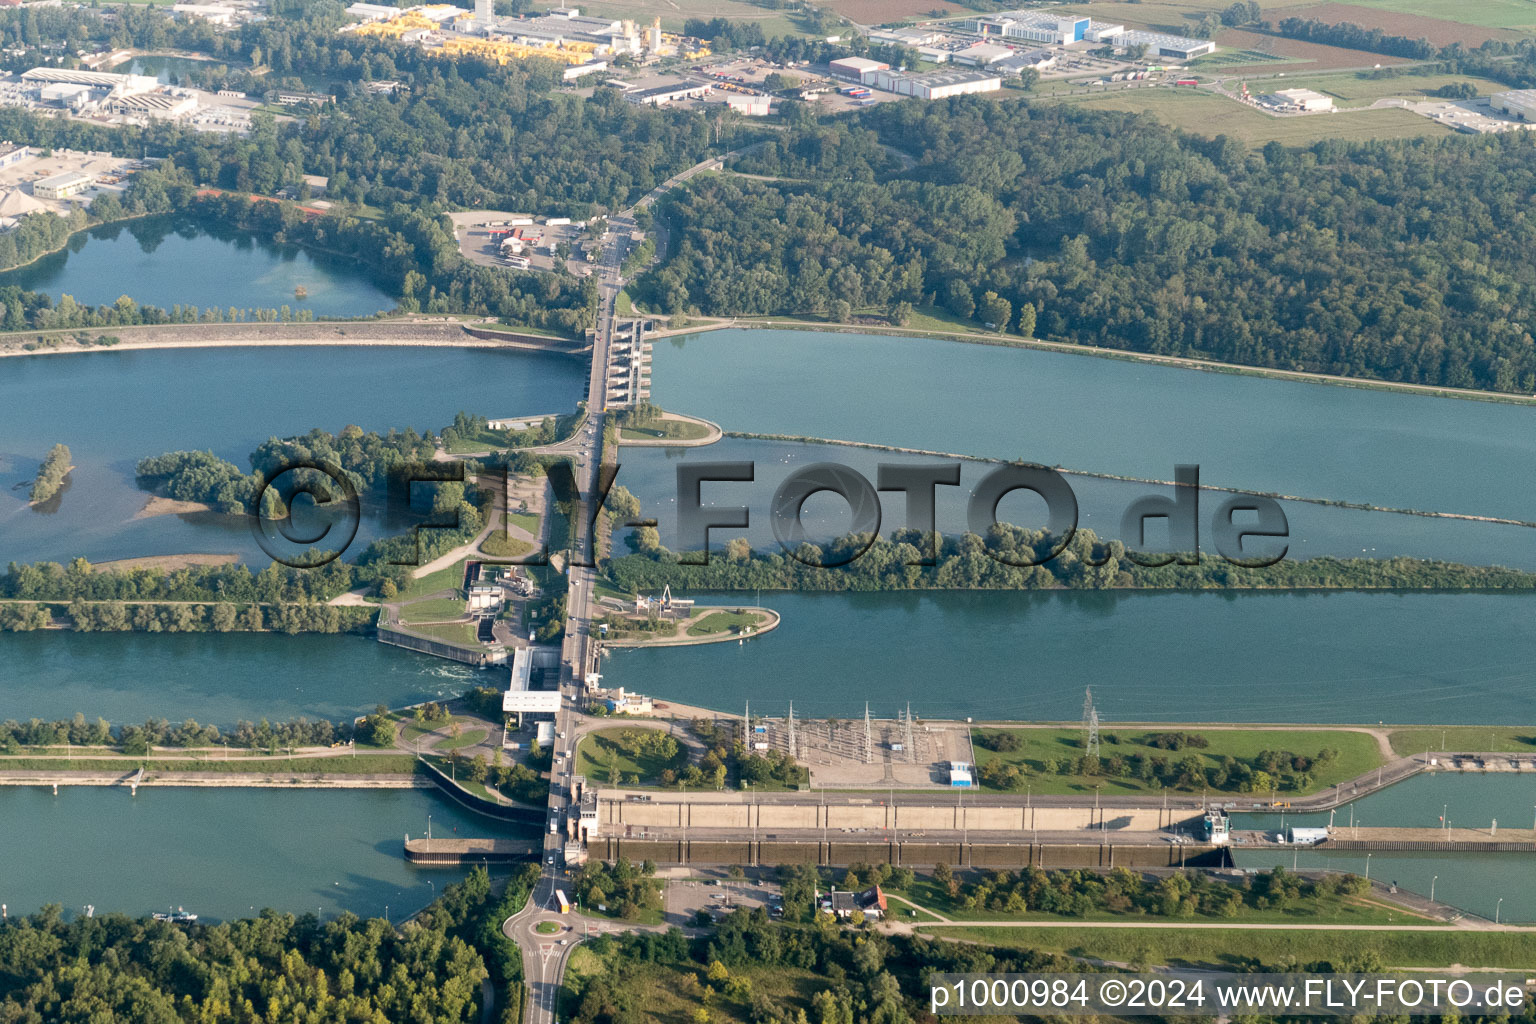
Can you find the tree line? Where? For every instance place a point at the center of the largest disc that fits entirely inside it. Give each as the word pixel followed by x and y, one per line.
pixel 1403 260
pixel 998 561
pixel 136 740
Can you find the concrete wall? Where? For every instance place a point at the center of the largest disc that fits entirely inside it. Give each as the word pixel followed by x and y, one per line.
pixel 918 856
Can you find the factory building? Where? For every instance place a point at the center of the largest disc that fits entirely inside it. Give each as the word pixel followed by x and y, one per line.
pixel 519 698
pixel 62 186
pixel 156 105
pixel 750 106
pixel 110 84
pixel 10 153
pixel 1160 44
pixel 981 55
pixel 937 85
pixel 1031 26
pixel 1103 31
pixel 1037 60
pixel 856 69
pixel 1301 99
pixel 661 95
pixel 1519 103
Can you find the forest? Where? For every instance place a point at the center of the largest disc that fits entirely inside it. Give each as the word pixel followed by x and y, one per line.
pixel 273 967
pixel 1400 260
pixel 996 562
pixel 137 739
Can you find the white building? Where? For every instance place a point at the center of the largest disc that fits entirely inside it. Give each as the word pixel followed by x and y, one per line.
pixel 751 106
pixel 937 85
pixel 1302 99
pixel 112 84
pixel 980 55
pixel 1161 44
pixel 1519 103
pixel 62 186
pixel 519 699
pixel 856 69
pixel 1039 60
pixel 1033 26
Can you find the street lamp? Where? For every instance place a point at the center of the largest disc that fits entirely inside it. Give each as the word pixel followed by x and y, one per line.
pixel 1432 882
pixel 1496 907
pixel 1367 867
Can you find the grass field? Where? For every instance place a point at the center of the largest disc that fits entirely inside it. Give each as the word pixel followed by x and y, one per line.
pixel 1272 947
pixel 499 545
pixel 436 609
pixel 450 578
pixel 676 430
pixel 460 633
pixel 527 520
pixel 1358 753
pixel 927 893
pixel 672 993
pixel 1465 739
pixel 722 622
pixel 1359 89
pixel 1205 114
pixel 467 738
pixel 599 754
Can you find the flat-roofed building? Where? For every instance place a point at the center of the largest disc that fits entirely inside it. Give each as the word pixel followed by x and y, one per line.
pixel 981 54
pixel 1034 26
pixel 1519 103
pixel 519 698
pixel 1302 99
pixel 62 186
pixel 1161 44
pixel 661 95
pixel 856 69
pixel 11 153
pixel 937 85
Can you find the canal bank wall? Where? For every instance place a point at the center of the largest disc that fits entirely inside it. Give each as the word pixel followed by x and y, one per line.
pixel 986 854
pixel 214 780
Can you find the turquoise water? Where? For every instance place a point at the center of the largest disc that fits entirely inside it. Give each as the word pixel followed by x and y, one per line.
pixel 217 678
pixel 1474 882
pixel 167 260
pixel 114 408
pixel 1109 416
pixel 1318 656
pixel 224 853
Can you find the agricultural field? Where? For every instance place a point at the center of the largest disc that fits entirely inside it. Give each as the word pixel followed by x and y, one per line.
pixel 1442 23
pixel 881 12
pixel 673 13
pixel 1319 56
pixel 1205 114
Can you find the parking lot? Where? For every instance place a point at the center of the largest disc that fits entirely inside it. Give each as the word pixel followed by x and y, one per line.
pixel 694 890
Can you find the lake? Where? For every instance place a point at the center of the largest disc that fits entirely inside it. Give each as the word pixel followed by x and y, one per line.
pixel 173 260
pixel 1109 416
pixel 225 853
pixel 114 408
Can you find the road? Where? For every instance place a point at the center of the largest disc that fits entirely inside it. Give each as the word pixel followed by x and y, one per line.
pixel 544 957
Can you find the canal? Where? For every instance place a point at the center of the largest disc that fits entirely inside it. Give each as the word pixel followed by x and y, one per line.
pixel 225 853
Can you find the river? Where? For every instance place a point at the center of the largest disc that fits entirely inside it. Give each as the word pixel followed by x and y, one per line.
pixel 1109 416
pixel 114 408
pixel 170 259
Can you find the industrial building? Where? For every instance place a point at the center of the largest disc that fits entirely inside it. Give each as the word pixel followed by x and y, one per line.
pixel 661 95
pixel 1160 44
pixel 981 55
pixel 1032 26
pixel 960 774
pixel 519 698
pixel 1304 100
pixel 1021 60
pixel 856 69
pixel 1519 103
pixel 750 106
pixel 155 105
pixel 109 84
pixel 937 85
pixel 62 186
pixel 11 153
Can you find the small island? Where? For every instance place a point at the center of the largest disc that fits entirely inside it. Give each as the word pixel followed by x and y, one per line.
pixel 50 475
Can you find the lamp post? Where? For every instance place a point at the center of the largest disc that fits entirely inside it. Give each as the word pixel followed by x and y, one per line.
pixel 1432 882
pixel 1496 908
pixel 1367 867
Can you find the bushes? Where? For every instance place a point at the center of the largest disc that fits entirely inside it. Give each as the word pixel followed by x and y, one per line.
pixel 51 474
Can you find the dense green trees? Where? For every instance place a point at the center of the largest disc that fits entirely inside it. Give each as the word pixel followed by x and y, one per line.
pixel 1403 260
pixel 274 967
pixel 263 735
pixel 970 562
pixel 50 475
pixel 276 584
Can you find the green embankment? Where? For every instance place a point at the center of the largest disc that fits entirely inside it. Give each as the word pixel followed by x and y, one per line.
pixel 1224 946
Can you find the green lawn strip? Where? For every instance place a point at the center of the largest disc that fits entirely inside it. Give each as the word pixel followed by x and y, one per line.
pixel 723 622
pixel 462 634
pixel 1465 739
pixel 1223 946
pixel 451 578
pixel 437 609
pixel 498 545
pixel 1332 909
pixel 667 430
pixel 469 738
pixel 1358 754
pixel 526 520
pixel 599 753
pixel 547 927
pixel 364 763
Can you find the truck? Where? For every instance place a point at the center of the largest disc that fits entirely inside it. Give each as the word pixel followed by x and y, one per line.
pixel 562 902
